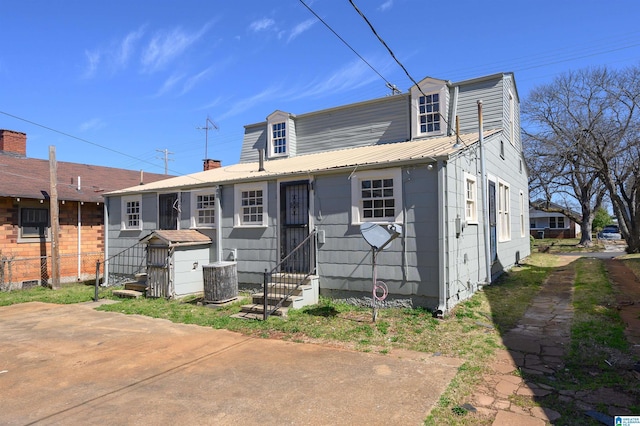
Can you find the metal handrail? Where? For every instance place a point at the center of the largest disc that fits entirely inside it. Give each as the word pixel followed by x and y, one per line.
pixel 288 284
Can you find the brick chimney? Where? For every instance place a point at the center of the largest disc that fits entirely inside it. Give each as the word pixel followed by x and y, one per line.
pixel 212 164
pixel 13 142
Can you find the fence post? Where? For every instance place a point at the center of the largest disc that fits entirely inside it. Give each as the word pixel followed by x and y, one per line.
pixel 95 295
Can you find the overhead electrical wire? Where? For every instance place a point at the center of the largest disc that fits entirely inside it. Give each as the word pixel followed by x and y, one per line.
pixel 388 83
pixel 89 142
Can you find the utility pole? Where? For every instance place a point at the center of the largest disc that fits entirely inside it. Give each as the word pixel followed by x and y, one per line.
pixel 208 124
pixel 53 211
pixel 166 159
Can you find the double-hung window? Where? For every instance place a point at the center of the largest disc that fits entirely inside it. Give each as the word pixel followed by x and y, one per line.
pixel 556 222
pixel 278 138
pixel 504 212
pixel 471 199
pixel 203 208
pixel 376 196
pixel 429 113
pixel 132 212
pixel 251 205
pixel 523 230
pixel 429 106
pixel 34 222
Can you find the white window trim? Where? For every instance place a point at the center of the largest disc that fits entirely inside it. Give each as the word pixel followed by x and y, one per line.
pixel 523 230
pixel 237 215
pixel 428 89
pixel 512 118
pixel 123 212
pixel 356 199
pixel 194 209
pixel 275 118
pixel 504 211
pixel 473 218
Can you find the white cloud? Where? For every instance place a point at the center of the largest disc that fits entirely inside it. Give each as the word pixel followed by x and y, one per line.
pixel 262 24
pixel 93 60
pixel 127 46
pixel 169 84
pixel 250 102
pixel 350 77
pixel 191 82
pixel 93 124
pixel 300 28
pixel 386 5
pixel 166 46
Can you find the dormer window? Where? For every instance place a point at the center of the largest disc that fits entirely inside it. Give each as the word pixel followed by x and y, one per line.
pixel 429 103
pixel 429 113
pixel 280 138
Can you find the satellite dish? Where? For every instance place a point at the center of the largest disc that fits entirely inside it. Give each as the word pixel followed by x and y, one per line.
pixel 379 236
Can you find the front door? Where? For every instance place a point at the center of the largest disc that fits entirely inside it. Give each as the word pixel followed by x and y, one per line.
pixel 294 225
pixel 168 209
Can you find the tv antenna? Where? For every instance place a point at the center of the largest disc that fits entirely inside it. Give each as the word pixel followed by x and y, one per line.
pixel 208 124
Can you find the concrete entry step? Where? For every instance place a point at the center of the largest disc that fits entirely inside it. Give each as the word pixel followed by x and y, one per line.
pixel 128 294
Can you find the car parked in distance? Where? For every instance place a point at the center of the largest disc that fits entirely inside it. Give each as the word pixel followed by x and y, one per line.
pixel 610 232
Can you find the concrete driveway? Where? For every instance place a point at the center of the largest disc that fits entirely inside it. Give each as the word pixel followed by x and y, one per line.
pixel 71 364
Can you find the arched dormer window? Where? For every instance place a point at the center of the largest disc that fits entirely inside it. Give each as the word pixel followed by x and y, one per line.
pixel 279 135
pixel 429 106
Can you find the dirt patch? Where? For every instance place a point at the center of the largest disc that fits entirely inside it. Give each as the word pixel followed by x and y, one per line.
pixel 627 298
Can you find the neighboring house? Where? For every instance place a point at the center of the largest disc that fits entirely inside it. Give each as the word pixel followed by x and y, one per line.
pixel 396 159
pixel 25 234
pixel 552 224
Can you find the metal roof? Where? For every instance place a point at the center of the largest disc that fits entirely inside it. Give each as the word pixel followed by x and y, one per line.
pixel 373 156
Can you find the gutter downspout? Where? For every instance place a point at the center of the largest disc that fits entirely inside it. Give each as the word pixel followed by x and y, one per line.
pixel 485 201
pixel 79 239
pixel 218 220
pixel 442 222
pixel 79 232
pixel 105 269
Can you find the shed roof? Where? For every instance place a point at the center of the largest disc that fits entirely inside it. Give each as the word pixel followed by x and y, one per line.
pixel 29 178
pixel 174 238
pixel 373 156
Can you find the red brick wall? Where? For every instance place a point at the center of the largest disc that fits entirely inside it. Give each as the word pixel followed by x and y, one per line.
pixel 15 142
pixel 26 256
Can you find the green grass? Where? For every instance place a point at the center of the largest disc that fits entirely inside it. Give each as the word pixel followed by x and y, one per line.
pixel 564 245
pixel 471 331
pixel 69 293
pixel 599 354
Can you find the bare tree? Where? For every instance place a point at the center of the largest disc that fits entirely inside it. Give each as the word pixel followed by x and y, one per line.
pixel 560 169
pixel 615 150
pixel 584 142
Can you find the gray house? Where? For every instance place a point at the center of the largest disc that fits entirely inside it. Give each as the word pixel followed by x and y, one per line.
pixel 416 159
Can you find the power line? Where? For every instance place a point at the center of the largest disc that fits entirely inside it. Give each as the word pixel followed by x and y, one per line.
pixel 399 63
pixel 390 85
pixel 91 143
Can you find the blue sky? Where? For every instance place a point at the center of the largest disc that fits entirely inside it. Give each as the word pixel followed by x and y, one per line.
pixel 114 82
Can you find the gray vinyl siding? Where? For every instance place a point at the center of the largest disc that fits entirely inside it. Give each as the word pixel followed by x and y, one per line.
pixel 255 138
pixel 257 248
pixel 507 169
pixel 492 96
pixel 292 138
pixel 120 239
pixel 384 120
pixel 408 267
pixel 509 86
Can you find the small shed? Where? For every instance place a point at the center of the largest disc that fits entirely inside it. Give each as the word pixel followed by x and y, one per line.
pixel 174 262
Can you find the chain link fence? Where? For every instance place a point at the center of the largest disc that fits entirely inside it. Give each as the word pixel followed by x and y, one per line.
pixel 26 272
